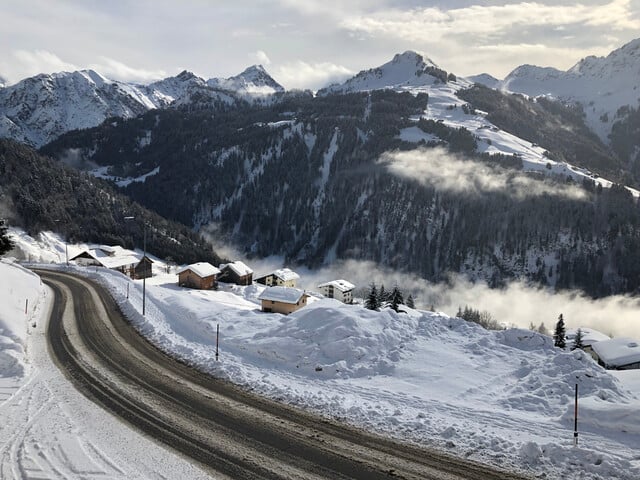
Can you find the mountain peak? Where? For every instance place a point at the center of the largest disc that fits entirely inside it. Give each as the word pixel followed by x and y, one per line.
pixel 405 70
pixel 253 80
pixel 186 75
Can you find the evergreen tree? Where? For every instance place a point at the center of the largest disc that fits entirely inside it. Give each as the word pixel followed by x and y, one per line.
pixel 383 297
pixel 6 243
pixel 396 298
pixel 559 336
pixel 372 302
pixel 577 341
pixel 410 302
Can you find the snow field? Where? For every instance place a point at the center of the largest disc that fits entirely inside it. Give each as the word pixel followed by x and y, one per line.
pixel 501 397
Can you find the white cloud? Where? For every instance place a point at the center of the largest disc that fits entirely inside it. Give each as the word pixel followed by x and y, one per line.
pixel 434 23
pixel 29 63
pixel 440 169
pixel 518 303
pixel 261 57
pixel 116 70
pixel 301 74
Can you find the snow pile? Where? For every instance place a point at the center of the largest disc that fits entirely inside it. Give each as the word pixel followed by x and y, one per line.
pixel 342 340
pixel 19 306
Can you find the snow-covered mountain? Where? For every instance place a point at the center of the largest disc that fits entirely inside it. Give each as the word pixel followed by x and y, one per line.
pixel 600 84
pixel 253 81
pixel 3 82
pixel 405 70
pixel 38 109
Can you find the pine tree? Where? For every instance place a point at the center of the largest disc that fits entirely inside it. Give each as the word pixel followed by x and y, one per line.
pixel 382 296
pixel 410 302
pixel 396 298
pixel 6 243
pixel 577 341
pixel 372 302
pixel 559 336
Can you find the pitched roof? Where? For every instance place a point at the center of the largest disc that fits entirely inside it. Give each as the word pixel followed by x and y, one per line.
pixel 109 261
pixel 286 274
pixel 202 269
pixel 238 267
pixel 617 352
pixel 341 285
pixel 282 294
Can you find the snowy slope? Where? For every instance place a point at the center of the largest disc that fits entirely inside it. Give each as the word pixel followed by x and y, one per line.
pixel 411 72
pixel 253 81
pixel 601 84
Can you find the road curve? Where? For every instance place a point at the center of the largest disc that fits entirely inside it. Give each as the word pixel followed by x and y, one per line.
pixel 230 432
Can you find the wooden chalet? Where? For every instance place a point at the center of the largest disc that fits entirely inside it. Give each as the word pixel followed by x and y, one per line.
pixel 201 275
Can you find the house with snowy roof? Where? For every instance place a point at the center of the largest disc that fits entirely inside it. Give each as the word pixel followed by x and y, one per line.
pixel 201 275
pixel 282 277
pixel 618 353
pixel 589 337
pixel 338 289
pixel 236 272
pixel 282 299
pixel 116 258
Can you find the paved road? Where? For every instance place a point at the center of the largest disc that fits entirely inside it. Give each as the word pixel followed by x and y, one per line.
pixel 229 431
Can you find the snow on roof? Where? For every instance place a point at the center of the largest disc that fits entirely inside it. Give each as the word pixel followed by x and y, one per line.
pixel 282 294
pixel 286 274
pixel 202 269
pixel 110 261
pixel 341 285
pixel 240 268
pixel 617 352
pixel 589 336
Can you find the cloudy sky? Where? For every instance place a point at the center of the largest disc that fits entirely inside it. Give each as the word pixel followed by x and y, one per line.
pixel 303 43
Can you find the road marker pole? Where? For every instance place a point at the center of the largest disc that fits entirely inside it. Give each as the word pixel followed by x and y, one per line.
pixel 217 339
pixel 575 420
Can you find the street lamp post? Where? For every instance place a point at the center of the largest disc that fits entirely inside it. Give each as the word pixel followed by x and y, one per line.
pixel 144 256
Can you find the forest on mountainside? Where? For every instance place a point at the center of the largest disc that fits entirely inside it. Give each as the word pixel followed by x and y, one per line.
pixel 41 194
pixel 303 178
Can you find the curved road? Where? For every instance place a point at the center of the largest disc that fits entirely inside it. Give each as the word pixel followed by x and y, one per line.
pixel 230 432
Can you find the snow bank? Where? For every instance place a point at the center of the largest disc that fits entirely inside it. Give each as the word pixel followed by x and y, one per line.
pixel 19 303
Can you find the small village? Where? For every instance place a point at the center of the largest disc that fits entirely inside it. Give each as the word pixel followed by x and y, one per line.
pixel 283 296
pixel 280 296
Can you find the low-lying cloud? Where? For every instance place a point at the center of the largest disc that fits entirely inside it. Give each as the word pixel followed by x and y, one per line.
pixel 518 304
pixel 444 171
